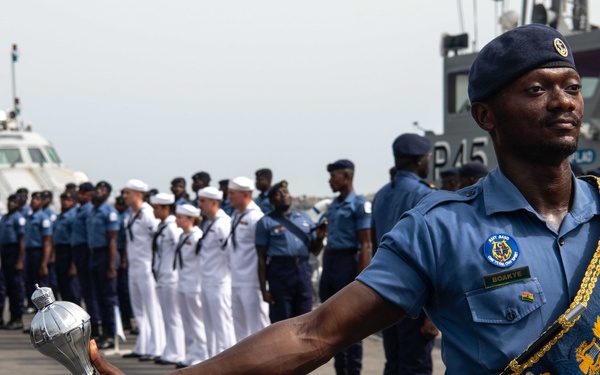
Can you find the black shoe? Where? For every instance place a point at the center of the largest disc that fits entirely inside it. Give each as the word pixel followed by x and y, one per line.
pixel 105 343
pixel 147 357
pixel 26 330
pixel 160 361
pixel 180 365
pixel 132 355
pixel 135 331
pixel 14 326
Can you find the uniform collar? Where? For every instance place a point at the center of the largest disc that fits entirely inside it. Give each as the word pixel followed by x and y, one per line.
pixel 349 198
pixel 501 195
pixel 406 174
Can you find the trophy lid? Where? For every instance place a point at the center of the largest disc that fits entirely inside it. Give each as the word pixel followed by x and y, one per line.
pixel 42 297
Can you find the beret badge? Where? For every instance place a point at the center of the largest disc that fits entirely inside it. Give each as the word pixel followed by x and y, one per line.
pixel 560 47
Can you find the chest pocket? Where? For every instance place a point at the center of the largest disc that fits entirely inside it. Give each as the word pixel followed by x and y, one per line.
pixel 506 304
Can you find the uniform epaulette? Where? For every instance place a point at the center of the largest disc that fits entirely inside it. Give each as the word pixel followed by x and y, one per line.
pixel 593 180
pixel 431 186
pixel 442 196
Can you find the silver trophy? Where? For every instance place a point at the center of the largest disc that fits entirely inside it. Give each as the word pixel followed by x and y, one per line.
pixel 61 330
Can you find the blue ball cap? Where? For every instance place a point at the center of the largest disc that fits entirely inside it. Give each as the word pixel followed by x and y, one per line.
pixel 409 145
pixel 513 54
pixel 340 164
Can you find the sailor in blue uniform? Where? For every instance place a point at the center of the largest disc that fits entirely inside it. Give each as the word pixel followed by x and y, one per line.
pixel 122 271
pixel 200 180
pixel 81 253
pixel 23 195
pixel 38 245
pixel 102 229
pixel 66 271
pixel 12 242
pixel 284 239
pixel 178 190
pixel 264 176
pixel 225 205
pixel 407 344
pixel 494 264
pixel 348 249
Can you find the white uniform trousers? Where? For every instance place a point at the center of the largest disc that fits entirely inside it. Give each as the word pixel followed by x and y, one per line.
pixel 218 318
pixel 195 334
pixel 250 312
pixel 175 348
pixel 148 315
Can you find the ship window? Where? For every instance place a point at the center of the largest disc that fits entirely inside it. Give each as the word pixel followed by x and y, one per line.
pixel 37 156
pixel 53 155
pixel 588 86
pixel 458 97
pixel 10 156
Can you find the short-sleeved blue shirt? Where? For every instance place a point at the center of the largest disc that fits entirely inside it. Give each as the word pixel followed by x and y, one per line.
pixel 392 201
pixel 63 227
pixel 226 206
pixel 38 225
pixel 279 240
pixel 345 219
pixel 182 200
pixel 439 253
pixel 11 227
pixel 79 235
pixel 263 202
pixel 121 236
pixel 51 214
pixel 101 220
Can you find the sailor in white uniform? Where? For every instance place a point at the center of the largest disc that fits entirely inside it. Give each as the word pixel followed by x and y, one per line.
pixel 187 262
pixel 216 272
pixel 164 243
pixel 250 312
pixel 140 228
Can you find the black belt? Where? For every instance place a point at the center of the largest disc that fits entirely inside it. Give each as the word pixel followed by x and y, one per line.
pixel 98 250
pixel 340 252
pixel 286 260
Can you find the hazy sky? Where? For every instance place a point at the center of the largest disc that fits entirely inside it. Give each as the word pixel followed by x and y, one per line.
pixel 158 89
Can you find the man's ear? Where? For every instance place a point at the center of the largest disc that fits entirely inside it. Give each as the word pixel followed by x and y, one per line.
pixel 483 116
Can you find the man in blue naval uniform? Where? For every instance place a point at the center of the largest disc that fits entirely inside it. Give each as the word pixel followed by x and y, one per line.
pixel 12 242
pixel 284 238
pixel 495 264
pixel 38 245
pixel 264 176
pixel 122 271
pixel 407 344
pixel 102 230
pixel 68 283
pixel 178 190
pixel 224 204
pixel 348 249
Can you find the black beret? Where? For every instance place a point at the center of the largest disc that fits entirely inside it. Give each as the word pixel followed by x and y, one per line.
pixel 473 170
pixel 67 195
pixel 104 184
pixel 13 197
pixel 340 164
pixel 408 145
pixel 204 176
pixel 264 172
pixel 178 180
pixel 452 172
pixel 86 187
pixel 274 188
pixel 36 194
pixel 46 194
pixel 70 186
pixel 513 54
pixel 22 191
pixel 120 200
pixel 224 182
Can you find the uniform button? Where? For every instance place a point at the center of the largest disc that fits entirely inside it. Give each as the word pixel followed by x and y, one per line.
pixel 471 193
pixel 511 315
pixel 561 241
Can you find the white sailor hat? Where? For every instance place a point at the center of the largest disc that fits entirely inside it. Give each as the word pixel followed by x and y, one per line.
pixel 164 199
pixel 187 210
pixel 211 193
pixel 136 185
pixel 241 184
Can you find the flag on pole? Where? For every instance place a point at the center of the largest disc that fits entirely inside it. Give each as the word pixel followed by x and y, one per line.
pixel 119 324
pixel 15 53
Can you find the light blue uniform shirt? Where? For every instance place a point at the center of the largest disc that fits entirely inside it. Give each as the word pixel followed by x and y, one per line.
pixel 263 202
pixel 101 220
pixel 50 213
pixel 345 219
pixel 279 240
pixel 63 227
pixel 38 225
pixel 391 202
pixel 434 258
pixel 11 226
pixel 79 235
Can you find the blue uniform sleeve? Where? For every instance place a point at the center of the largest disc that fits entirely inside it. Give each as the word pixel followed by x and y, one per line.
pixel 20 224
pixel 46 226
pixel 262 232
pixel 112 220
pixel 363 214
pixel 400 270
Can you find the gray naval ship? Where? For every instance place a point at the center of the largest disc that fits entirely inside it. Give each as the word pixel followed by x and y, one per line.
pixel 463 141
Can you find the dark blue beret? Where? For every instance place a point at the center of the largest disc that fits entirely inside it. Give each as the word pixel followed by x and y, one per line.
pixel 274 188
pixel 513 54
pixel 68 195
pixel 47 194
pixel 104 184
pixel 452 172
pixel 473 170
pixel 86 186
pixel 264 172
pixel 340 164
pixel 408 145
pixel 178 180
